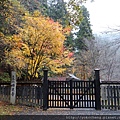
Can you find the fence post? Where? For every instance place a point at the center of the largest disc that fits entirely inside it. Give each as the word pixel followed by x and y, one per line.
pixel 45 90
pixel 97 90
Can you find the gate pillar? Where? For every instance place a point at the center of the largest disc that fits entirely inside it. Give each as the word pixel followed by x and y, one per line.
pixel 97 90
pixel 45 90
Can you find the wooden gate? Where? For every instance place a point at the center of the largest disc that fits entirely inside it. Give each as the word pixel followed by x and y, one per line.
pixel 71 94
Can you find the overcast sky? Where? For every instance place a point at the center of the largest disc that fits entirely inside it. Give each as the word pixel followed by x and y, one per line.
pixel 103 14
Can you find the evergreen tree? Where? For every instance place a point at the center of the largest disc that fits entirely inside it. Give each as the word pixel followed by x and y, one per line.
pixel 84 32
pixel 32 5
pixel 70 42
pixel 57 11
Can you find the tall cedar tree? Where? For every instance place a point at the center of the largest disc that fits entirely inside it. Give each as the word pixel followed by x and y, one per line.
pixel 84 32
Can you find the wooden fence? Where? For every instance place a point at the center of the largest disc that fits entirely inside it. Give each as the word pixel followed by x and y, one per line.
pixel 110 95
pixel 32 94
pixel 5 92
pixel 26 93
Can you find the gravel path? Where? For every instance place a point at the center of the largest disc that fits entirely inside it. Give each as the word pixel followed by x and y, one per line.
pixel 57 111
pixel 64 114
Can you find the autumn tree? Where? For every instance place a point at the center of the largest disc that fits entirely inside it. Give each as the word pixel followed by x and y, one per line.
pixel 13 22
pixel 2 47
pixel 11 13
pixel 39 44
pixel 67 13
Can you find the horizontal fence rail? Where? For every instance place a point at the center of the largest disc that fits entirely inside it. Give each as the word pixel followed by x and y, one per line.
pixel 110 95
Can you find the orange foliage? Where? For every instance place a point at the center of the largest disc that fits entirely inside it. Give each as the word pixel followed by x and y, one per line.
pixel 40 43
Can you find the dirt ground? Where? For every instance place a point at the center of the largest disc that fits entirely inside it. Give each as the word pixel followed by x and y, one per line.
pixel 9 109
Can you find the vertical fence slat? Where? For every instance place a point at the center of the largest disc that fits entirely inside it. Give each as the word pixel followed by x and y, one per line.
pixel 71 95
pixel 108 91
pixel 82 104
pixel 115 103
pixel 111 97
pixel 118 97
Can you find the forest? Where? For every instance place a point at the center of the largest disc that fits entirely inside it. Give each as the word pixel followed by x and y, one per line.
pixel 52 34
